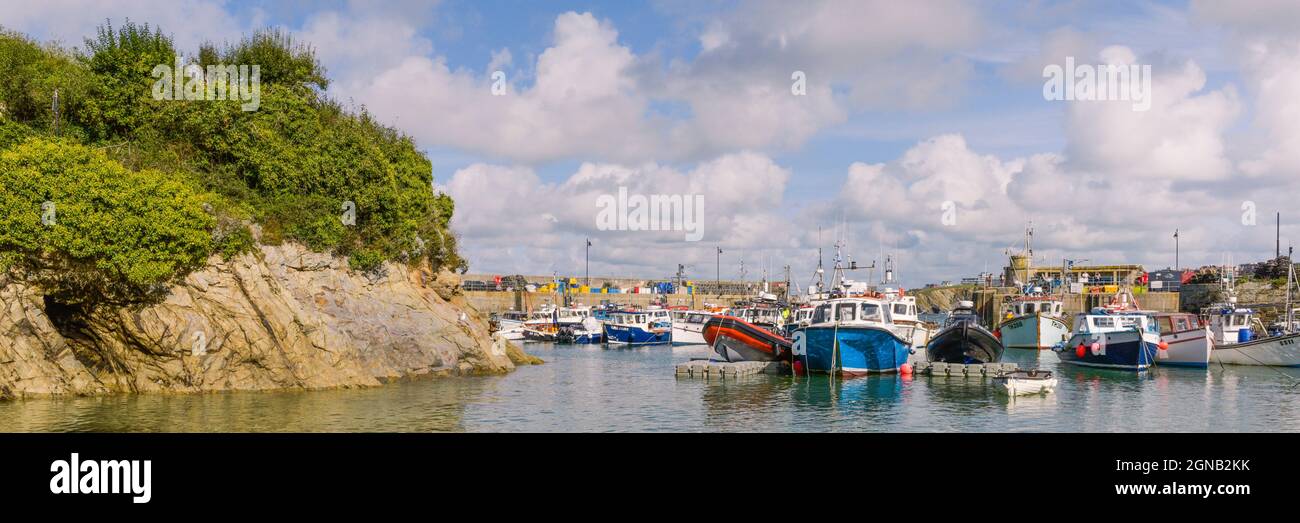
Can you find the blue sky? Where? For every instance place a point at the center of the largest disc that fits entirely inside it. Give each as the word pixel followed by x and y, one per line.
pixel 909 105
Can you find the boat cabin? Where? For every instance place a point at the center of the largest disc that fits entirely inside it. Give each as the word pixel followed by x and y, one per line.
pixel 904 310
pixel 1029 306
pixel 1171 322
pixel 681 317
pixel 1100 321
pixel 844 310
pixel 1229 323
pixel 646 317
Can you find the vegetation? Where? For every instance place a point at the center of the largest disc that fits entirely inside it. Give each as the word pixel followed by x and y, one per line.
pixel 147 189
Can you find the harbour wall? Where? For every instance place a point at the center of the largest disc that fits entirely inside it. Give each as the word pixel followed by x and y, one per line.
pixel 498 301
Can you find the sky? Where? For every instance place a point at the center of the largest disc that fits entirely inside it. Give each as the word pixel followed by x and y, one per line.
pixel 922 131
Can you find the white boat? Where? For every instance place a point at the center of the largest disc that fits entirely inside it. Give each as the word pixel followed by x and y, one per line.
pixel 1235 342
pixel 1189 343
pixel 1033 322
pixel 1023 382
pixel 544 323
pixel 688 326
pixel 509 325
pixel 907 323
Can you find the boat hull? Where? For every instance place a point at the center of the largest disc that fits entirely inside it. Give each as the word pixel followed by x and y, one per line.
pixel 964 343
pixel 1033 331
pixel 735 339
pixel 1189 348
pixel 688 334
pixel 1126 350
pixel 630 335
pixel 1280 351
pixel 852 350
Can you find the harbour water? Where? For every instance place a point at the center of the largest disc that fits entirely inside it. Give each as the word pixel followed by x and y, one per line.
pixel 591 388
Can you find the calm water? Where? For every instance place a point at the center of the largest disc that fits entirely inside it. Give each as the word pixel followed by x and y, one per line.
pixel 597 389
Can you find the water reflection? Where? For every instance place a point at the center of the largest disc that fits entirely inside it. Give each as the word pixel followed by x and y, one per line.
pixel 591 388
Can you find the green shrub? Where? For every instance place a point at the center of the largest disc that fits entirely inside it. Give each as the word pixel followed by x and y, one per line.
pixel 116 236
pixel 288 166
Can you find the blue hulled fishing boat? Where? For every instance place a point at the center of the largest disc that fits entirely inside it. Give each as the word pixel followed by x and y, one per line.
pixel 638 327
pixel 851 337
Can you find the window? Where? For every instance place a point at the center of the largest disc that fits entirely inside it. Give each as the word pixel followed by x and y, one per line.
pixel 846 312
pixel 822 314
pixel 1029 308
pixel 1166 324
pixel 870 311
pixel 899 309
pixel 1180 324
pixel 1103 322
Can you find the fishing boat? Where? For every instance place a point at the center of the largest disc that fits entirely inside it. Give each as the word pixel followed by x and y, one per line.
pixel 544 324
pixel 963 340
pixel 906 321
pixel 1189 343
pixel 1235 342
pixel 688 326
pixel 1033 321
pixel 1024 382
pixel 509 324
pixel 588 331
pixel 638 327
pixel 851 337
pixel 1112 339
pixel 735 339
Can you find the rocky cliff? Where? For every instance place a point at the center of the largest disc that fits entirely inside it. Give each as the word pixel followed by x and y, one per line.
pixel 281 317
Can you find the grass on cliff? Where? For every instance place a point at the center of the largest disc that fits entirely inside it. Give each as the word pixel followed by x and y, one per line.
pixel 146 189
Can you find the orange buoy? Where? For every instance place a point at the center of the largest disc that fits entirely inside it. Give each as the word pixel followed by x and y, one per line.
pixel 1096 349
pixel 1080 351
pixel 1164 345
pixel 905 369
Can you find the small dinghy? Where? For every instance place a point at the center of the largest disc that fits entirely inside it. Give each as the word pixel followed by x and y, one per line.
pixel 1023 382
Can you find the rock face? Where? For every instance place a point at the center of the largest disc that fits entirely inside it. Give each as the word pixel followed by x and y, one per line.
pixel 282 317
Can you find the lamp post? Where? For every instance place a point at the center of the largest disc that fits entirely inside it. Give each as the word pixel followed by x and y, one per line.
pixel 717 282
pixel 1177 266
pixel 587 267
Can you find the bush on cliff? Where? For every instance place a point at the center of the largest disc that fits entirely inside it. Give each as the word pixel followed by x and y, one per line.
pixel 88 230
pixel 292 165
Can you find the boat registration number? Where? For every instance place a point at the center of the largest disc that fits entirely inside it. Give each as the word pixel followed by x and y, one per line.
pixel 1013 325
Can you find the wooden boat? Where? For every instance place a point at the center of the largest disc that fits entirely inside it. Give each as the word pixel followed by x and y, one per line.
pixel 963 340
pixel 1023 382
pixel 735 339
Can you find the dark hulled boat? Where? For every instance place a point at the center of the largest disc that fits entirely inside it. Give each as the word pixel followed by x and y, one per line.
pixel 735 339
pixel 963 340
